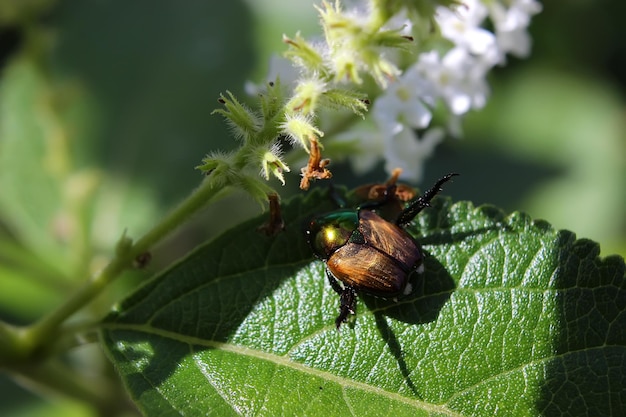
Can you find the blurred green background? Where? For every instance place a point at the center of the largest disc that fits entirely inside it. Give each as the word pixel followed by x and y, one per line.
pixel 138 81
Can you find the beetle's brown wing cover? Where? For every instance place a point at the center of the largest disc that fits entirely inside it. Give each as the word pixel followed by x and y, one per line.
pixel 390 239
pixel 367 269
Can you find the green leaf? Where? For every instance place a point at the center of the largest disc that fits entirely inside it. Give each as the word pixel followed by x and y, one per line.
pixel 510 318
pixel 32 160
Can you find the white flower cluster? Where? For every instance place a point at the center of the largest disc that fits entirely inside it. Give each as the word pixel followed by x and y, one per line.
pixel 456 76
pixel 445 69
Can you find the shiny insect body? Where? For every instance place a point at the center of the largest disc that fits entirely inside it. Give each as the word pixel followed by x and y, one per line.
pixel 367 253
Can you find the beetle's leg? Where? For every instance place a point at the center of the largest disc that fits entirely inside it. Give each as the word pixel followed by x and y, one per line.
pixel 348 305
pixel 333 282
pixel 422 201
pixel 334 195
pixel 347 299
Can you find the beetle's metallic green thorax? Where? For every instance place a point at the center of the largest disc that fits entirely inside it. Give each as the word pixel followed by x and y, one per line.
pixel 329 232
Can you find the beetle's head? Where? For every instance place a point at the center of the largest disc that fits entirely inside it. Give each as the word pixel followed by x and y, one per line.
pixel 327 233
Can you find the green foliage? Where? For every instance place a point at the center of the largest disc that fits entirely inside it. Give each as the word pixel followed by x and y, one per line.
pixel 100 125
pixel 26 98
pixel 99 101
pixel 511 317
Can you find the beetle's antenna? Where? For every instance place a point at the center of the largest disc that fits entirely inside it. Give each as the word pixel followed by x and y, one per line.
pixel 335 196
pixel 422 201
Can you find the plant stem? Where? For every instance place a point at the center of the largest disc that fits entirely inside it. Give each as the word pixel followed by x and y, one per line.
pixel 33 336
pixel 54 378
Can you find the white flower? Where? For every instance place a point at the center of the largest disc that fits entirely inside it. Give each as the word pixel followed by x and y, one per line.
pixel 405 150
pixel 459 78
pixel 408 152
pixel 369 143
pixel 402 104
pixel 511 23
pixel 462 25
pixel 516 15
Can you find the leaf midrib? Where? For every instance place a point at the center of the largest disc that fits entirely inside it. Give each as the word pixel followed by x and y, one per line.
pixel 282 361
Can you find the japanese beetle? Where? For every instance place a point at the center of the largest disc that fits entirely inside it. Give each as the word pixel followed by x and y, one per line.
pixel 367 253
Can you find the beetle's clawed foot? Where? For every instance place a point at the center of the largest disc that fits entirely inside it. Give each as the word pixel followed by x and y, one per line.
pixel 423 201
pixel 347 300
